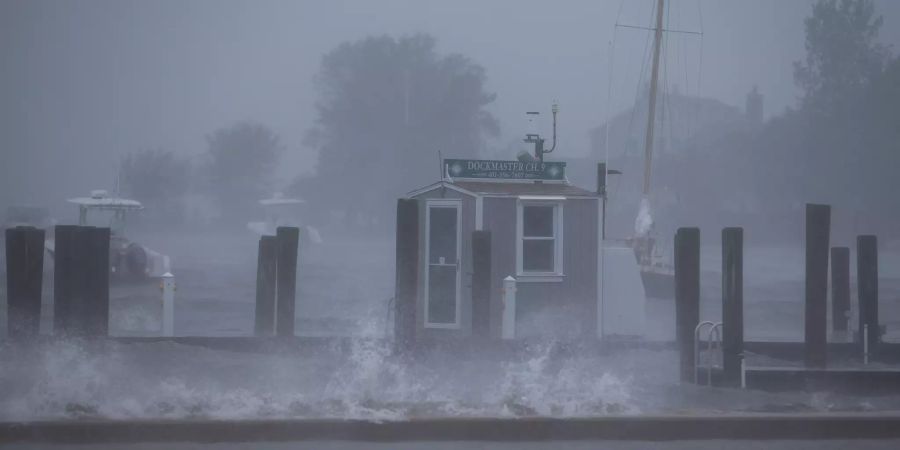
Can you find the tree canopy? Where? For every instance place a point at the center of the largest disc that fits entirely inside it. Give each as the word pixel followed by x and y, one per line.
pixel 241 162
pixel 840 145
pixel 386 107
pixel 843 55
pixel 157 178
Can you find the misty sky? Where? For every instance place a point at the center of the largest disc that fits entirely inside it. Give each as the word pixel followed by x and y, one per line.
pixel 83 82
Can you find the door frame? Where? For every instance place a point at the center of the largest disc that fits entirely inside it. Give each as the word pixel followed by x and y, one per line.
pixel 429 205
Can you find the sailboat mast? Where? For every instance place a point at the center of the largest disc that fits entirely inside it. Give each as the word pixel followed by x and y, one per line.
pixel 654 80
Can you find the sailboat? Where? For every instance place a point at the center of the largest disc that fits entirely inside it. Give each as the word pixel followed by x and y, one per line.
pixel 657 273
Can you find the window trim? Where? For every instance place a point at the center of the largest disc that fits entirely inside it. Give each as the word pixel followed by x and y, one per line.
pixel 557 274
pixel 429 205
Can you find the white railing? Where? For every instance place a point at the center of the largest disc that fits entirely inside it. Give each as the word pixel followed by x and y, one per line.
pixel 714 329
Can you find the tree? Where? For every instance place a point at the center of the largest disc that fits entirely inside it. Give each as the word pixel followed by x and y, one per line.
pixel 241 162
pixel 157 178
pixel 842 54
pixel 386 108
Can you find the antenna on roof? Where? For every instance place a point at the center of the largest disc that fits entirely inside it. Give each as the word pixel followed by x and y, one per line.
pixel 534 138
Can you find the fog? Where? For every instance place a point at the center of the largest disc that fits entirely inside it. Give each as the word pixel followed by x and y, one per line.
pixel 216 113
pixel 86 83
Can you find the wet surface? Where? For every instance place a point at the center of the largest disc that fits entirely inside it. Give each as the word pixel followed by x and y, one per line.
pixel 587 445
pixel 344 289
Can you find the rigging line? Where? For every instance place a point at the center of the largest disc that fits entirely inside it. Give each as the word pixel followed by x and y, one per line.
pixel 700 15
pixel 637 94
pixel 611 48
pixel 666 98
pixel 619 14
pixel 679 46
pixel 665 30
pixel 699 71
pixel 686 125
pixel 609 103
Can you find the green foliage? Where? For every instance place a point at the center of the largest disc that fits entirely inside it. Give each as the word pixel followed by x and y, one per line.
pixel 154 174
pixel 386 107
pixel 158 179
pixel 241 162
pixel 841 145
pixel 842 53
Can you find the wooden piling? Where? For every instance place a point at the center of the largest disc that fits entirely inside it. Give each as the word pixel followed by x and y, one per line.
pixel 83 274
pixel 24 273
pixel 287 240
pixel 732 304
pixel 687 296
pixel 407 273
pixel 481 283
pixel 64 277
pixel 818 224
pixel 96 263
pixel 840 288
pixel 867 288
pixel 265 286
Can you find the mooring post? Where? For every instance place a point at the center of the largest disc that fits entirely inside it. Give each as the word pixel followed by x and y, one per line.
pixel 24 272
pixel 732 304
pixel 867 288
pixel 64 277
pixel 85 275
pixel 818 224
pixel 840 288
pixel 865 340
pixel 508 327
pixel 96 306
pixel 266 264
pixel 481 283
pixel 167 286
pixel 406 273
pixel 687 296
pixel 287 240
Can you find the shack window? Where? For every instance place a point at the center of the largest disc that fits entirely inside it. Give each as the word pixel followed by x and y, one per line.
pixel 540 235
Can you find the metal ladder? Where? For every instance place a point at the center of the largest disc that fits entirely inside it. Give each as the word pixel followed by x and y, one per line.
pixel 711 342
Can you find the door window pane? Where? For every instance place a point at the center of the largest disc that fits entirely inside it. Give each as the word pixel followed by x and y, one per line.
pixel 537 221
pixel 442 235
pixel 442 294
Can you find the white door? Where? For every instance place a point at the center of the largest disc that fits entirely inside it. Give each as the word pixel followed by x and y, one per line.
pixel 442 275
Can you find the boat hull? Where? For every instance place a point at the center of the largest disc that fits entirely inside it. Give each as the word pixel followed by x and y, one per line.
pixel 658 284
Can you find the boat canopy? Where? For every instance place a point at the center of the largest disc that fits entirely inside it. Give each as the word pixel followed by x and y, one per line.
pixel 101 200
pixel 279 199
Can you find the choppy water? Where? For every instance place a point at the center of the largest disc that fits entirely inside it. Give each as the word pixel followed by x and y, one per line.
pixel 344 289
pixel 168 380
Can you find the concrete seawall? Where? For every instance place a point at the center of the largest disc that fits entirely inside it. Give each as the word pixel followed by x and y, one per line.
pixel 638 428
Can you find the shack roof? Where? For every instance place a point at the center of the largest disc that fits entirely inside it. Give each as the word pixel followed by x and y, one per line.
pixel 510 189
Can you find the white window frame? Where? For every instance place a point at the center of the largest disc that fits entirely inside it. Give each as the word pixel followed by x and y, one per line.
pixel 443 203
pixel 557 273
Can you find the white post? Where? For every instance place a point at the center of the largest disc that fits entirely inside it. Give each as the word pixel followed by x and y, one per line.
pixel 866 344
pixel 167 285
pixel 849 316
pixel 743 373
pixel 508 328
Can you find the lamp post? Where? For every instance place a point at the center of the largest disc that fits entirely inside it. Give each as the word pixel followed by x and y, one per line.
pixel 536 139
pixel 602 174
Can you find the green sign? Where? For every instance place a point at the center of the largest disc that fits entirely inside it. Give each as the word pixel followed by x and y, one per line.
pixel 505 170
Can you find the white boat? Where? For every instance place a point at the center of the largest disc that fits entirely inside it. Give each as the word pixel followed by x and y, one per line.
pixel 657 271
pixel 128 260
pixel 281 211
